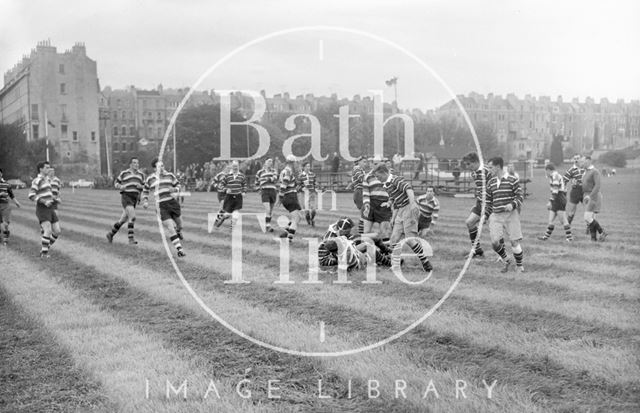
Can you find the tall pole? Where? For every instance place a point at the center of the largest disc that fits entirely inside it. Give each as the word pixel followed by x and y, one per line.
pixel 46 133
pixel 175 159
pixel 395 90
pixel 107 145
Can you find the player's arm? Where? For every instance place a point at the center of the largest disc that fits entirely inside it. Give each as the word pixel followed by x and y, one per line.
pixel 145 193
pixel 596 186
pixel 13 198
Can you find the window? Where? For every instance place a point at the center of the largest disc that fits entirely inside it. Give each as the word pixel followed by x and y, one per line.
pixel 63 132
pixel 150 132
pixel 160 132
pixel 93 136
pixel 124 130
pixel 63 113
pixel 115 115
pixel 159 115
pixel 75 136
pixel 132 131
pixel 116 147
pixel 115 131
pixel 63 88
pixel 118 103
pixel 124 115
pixel 61 69
pixel 35 132
pixel 132 147
pixel 34 112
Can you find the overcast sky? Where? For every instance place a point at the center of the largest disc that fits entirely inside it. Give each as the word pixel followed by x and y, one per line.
pixel 572 48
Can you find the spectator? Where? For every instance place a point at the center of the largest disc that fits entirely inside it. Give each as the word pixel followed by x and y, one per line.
pixel 335 163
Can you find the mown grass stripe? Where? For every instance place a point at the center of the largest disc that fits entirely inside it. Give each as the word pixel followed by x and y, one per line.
pixel 36 373
pixel 540 373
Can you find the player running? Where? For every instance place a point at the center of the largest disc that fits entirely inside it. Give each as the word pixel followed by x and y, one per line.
pixel 288 197
pixel 592 198
pixel 6 194
pixel 429 208
pixel 234 186
pixel 266 180
pixel 504 198
pixel 166 190
pixel 376 207
pixel 130 182
pixel 42 195
pixel 480 176
pixel 557 203
pixel 404 221
pixel 307 180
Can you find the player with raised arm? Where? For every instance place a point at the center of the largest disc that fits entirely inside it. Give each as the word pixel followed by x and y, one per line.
pixel 42 195
pixel 557 203
pixel 166 190
pixel 266 181
pixel 6 194
pixel 130 183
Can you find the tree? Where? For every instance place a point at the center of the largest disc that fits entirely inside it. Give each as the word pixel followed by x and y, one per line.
pixel 556 155
pixel 19 157
pixel 614 158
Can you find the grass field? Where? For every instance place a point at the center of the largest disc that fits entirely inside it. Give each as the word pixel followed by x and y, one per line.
pixel 102 327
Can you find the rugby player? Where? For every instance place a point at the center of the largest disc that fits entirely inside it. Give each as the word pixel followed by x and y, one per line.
pixel 307 180
pixel 592 198
pixel 6 194
pixel 429 208
pixel 574 176
pixel 42 195
pixel 288 197
pixel 480 176
pixel 266 180
pixel 234 186
pixel 557 203
pixel 375 204
pixel 166 190
pixel 130 182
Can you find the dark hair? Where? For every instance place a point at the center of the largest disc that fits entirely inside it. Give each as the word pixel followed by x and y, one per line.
pixel 132 158
pixel 471 157
pixel 154 162
pixel 587 157
pixel 41 165
pixel 381 168
pixel 550 166
pixel 306 163
pixel 497 161
pixel 1 171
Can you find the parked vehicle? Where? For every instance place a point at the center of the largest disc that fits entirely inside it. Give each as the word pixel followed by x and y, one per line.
pixel 16 184
pixel 81 183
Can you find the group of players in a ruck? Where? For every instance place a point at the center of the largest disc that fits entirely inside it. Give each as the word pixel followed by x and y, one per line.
pixel 390 213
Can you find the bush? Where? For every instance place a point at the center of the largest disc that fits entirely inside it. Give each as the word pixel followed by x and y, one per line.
pixel 614 158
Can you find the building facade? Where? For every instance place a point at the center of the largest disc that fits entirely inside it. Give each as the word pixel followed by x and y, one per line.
pixel 55 95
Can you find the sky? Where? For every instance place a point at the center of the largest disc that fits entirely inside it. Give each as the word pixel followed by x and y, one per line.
pixel 541 48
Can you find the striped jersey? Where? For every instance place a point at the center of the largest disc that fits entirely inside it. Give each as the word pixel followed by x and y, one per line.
pixel 266 178
pixel 357 175
pixel 397 189
pixel 6 192
pixel 130 181
pixel 217 181
pixel 556 183
pixel 428 207
pixel 502 192
pixel 480 176
pixel 40 189
pixel 55 186
pixel 287 181
pixel 575 174
pixel 163 184
pixel 372 188
pixel 307 180
pixel 234 184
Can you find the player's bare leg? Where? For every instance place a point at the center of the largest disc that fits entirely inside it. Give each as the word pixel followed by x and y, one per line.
pixel 170 226
pixel 124 217
pixel 268 210
pixel 472 222
pixel 45 239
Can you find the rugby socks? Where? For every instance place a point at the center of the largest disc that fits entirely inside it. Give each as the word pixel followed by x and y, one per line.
pixel 500 250
pixel 518 254
pixel 116 228
pixel 45 245
pixel 473 233
pixel 570 219
pixel 360 226
pixel 567 232
pixel 290 233
pixel 395 258
pixel 175 240
pixel 267 221
pixel 550 229
pixel 52 239
pixel 417 248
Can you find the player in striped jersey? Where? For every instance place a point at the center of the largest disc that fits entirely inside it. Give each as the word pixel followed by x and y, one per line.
pixel 504 197
pixel 429 208
pixel 557 203
pixel 6 194
pixel 216 183
pixel 41 194
pixel 234 185
pixel 166 190
pixel 130 182
pixel 375 204
pixel 357 174
pixel 307 179
pixel 56 184
pixel 266 181
pixel 480 176
pixel 574 176
pixel 404 221
pixel 289 198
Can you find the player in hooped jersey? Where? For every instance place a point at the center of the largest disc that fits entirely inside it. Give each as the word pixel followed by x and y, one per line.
pixel 307 179
pixel 574 176
pixel 429 208
pixel 41 194
pixel 234 186
pixel 6 194
pixel 557 203
pixel 130 182
pixel 288 197
pixel 376 207
pixel 480 176
pixel 266 181
pixel 166 190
